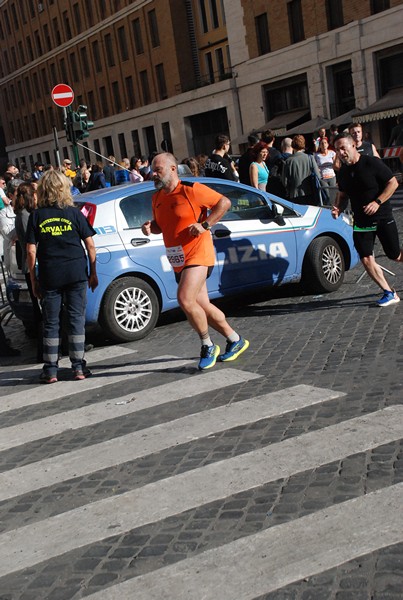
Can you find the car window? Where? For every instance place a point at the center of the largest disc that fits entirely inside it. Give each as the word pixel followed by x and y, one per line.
pixel 245 204
pixel 137 208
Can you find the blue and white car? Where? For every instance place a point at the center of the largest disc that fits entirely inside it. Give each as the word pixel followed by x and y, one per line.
pixel 261 241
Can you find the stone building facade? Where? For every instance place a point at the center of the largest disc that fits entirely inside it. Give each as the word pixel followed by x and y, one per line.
pixel 181 71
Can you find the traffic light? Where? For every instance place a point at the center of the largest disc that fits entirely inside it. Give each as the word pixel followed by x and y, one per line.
pixel 77 124
pixel 81 123
pixel 68 126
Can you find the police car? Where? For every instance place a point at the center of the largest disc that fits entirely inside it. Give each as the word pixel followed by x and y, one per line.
pixel 261 241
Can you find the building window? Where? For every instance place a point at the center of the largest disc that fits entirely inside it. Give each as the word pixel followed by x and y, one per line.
pixel 109 50
pixel 124 53
pixel 21 52
pixel 84 61
pixel 73 64
pixel 63 70
pixel 166 136
pixel 262 34
pixel 55 27
pixel 209 67
pixel 46 34
pixel 27 85
pixel 219 57
pixel 145 88
pixel 77 17
pixel 389 68
pixel 15 18
pixel 295 21
pixel 30 51
pixel 153 25
pixel 102 8
pixel 286 96
pixel 136 143
pixel 31 5
pixel 44 76
pixel 53 75
pixel 378 6
pixel 162 88
pixel 138 39
pixel 38 43
pixel 97 56
pixel 7 22
pixel 214 14
pixel 104 101
pixel 13 57
pixel 343 98
pixel 334 14
pixel 116 97
pixel 67 28
pixel 1 32
pixel 21 8
pixel 131 101
pixel 89 11
pixel 203 16
pixel 122 145
pixel 92 104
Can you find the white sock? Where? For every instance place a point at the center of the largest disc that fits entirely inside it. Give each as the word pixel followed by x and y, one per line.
pixel 233 337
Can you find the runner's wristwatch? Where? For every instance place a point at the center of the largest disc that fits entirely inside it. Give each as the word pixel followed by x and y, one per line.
pixel 206 225
pixel 379 202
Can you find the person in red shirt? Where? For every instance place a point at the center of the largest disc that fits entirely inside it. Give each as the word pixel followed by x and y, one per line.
pixel 180 213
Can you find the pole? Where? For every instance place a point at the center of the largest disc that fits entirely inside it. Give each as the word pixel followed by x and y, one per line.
pixel 56 146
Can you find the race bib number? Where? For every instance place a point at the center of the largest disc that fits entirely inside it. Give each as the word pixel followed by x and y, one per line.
pixel 175 256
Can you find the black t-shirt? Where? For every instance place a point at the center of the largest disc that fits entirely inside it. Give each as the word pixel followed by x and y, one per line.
pixel 365 149
pixel 58 233
pixel 219 166
pixel 363 182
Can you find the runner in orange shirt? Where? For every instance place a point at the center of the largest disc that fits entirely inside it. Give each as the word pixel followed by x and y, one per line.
pixel 180 214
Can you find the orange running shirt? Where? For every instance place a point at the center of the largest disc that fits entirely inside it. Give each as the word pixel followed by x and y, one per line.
pixel 174 212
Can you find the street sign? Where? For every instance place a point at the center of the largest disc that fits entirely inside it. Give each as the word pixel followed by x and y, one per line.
pixel 62 95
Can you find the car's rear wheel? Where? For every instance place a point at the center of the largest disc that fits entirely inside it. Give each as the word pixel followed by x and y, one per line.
pixel 130 309
pixel 324 266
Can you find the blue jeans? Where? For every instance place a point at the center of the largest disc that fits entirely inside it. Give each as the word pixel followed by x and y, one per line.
pixel 74 298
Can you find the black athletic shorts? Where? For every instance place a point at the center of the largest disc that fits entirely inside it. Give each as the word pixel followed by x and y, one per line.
pixel 385 230
pixel 178 275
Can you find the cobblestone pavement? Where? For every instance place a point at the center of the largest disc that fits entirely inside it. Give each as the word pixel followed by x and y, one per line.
pixel 270 478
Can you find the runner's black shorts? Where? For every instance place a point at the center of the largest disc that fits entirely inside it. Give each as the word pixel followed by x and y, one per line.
pixel 178 275
pixel 385 230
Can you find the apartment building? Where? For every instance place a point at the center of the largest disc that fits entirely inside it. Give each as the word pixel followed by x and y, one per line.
pixel 174 73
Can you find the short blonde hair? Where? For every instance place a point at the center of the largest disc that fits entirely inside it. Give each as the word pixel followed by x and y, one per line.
pixel 54 189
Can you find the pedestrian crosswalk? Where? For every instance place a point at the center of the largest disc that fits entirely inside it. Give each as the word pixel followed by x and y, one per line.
pixel 229 409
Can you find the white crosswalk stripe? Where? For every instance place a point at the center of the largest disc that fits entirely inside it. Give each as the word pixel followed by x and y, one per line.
pixel 330 536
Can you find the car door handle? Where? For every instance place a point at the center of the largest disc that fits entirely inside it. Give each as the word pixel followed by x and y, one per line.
pixel 139 241
pixel 221 233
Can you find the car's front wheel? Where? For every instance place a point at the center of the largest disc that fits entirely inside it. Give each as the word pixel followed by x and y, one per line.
pixel 324 266
pixel 130 309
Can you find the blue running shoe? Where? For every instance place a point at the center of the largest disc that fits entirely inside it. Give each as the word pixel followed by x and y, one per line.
pixel 388 298
pixel 234 349
pixel 208 356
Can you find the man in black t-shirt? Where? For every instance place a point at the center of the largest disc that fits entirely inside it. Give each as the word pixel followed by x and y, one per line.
pixel 369 184
pixel 218 163
pixel 362 146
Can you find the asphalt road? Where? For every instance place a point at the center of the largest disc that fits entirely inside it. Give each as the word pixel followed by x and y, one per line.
pixel 277 476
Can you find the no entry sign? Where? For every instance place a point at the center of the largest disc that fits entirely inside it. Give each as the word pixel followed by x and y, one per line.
pixel 62 95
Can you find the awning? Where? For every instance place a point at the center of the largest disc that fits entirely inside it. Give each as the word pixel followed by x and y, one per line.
pixel 280 123
pixel 390 105
pixel 309 126
pixel 344 119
